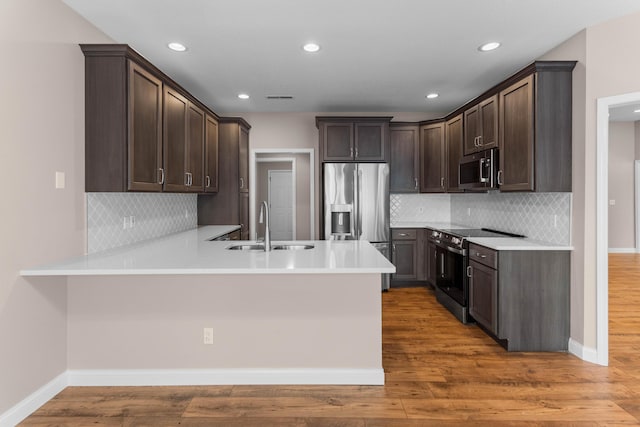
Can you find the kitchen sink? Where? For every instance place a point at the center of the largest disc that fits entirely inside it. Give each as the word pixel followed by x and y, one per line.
pixel 246 248
pixel 291 247
pixel 254 247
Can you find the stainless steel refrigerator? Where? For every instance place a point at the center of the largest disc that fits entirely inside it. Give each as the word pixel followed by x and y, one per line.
pixel 356 205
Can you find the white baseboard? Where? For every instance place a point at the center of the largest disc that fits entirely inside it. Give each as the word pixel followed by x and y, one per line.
pixel 587 354
pixel 149 377
pixel 31 403
pixel 622 250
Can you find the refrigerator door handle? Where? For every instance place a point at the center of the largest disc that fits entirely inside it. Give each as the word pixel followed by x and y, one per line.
pixel 356 205
pixel 359 195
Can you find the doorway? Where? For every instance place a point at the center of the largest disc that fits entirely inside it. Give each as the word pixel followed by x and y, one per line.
pixel 604 105
pixel 281 201
pixel 300 164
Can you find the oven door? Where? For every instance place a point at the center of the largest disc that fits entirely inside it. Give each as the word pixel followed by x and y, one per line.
pixel 450 273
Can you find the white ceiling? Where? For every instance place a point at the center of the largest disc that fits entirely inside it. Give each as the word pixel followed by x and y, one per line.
pixel 376 55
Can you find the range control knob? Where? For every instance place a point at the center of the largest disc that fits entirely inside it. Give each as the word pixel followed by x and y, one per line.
pixel 455 240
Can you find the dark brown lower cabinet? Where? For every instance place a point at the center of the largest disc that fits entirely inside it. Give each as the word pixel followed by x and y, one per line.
pixel 483 296
pixel 408 255
pixel 521 297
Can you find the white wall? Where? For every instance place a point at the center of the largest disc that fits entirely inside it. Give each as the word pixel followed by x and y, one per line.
pixel 608 65
pixel 41 132
pixel 622 153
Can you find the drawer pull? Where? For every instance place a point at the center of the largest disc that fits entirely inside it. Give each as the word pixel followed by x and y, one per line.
pixel 403 234
pixel 479 255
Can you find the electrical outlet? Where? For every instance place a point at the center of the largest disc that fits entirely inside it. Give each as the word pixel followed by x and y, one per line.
pixel 555 221
pixel 468 211
pixel 60 184
pixel 208 335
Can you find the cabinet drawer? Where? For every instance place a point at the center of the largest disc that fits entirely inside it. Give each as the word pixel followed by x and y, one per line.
pixel 404 234
pixel 483 255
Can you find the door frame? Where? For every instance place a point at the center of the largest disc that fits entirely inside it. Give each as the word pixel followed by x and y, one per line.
pixel 602 221
pixel 312 182
pixel 294 210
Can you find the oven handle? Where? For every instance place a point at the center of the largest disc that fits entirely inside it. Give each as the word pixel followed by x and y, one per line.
pixel 456 251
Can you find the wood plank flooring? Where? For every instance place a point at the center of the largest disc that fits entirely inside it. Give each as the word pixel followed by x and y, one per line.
pixel 438 372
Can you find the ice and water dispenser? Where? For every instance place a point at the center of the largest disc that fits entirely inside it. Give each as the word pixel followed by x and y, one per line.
pixel 341 221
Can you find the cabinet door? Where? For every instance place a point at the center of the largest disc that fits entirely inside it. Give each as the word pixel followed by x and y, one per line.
pixel 244 216
pixel 370 142
pixel 488 110
pixel 453 147
pixel 175 147
pixel 405 258
pixel 337 141
pixel 432 173
pixel 145 131
pixel 404 159
pixel 471 130
pixel 483 296
pixel 243 160
pixel 211 155
pixel 195 150
pixel 516 137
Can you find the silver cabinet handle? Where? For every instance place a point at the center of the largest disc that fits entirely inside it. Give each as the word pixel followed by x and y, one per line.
pixel 161 176
pixel 208 181
pixel 480 143
pixel 356 152
pixel 403 234
pixel 188 178
pixel 442 182
pixel 476 143
pixel 241 182
pixel 469 271
pixel 500 177
pixel 415 180
pixel 350 151
pixel 479 255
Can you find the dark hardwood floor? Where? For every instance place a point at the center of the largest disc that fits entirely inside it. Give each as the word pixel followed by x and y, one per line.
pixel 438 373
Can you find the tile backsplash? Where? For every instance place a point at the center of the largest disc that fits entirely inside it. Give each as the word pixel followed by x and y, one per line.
pixel 154 215
pixel 540 216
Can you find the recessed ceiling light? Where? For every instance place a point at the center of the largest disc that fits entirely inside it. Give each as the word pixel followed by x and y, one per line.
pixel 243 96
pixel 311 47
pixel 489 46
pixel 636 111
pixel 178 47
pixel 432 96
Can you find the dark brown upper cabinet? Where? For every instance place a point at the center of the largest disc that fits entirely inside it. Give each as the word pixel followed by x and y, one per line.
pixel 143 132
pixel 405 158
pixel 481 126
pixel 453 136
pixel 432 159
pixel 535 130
pixel 211 155
pixel 230 204
pixel 353 139
pixel 175 140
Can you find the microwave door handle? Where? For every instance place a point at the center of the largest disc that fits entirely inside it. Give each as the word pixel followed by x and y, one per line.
pixel 482 164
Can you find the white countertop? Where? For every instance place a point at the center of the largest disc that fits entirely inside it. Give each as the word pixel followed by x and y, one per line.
pixel 192 252
pixel 497 243
pixel 517 244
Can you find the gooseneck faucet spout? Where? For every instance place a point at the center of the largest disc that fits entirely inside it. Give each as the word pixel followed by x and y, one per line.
pixel 264 218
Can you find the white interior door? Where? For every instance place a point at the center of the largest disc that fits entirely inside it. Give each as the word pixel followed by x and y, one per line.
pixel 281 204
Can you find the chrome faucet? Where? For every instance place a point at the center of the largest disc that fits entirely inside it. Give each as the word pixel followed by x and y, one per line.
pixel 264 218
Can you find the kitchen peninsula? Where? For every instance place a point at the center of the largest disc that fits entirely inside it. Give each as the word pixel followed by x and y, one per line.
pixel 136 314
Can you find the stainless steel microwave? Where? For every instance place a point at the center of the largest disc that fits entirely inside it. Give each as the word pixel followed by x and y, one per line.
pixel 478 171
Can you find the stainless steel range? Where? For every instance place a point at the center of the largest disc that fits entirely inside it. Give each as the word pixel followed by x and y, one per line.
pixel 450 259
